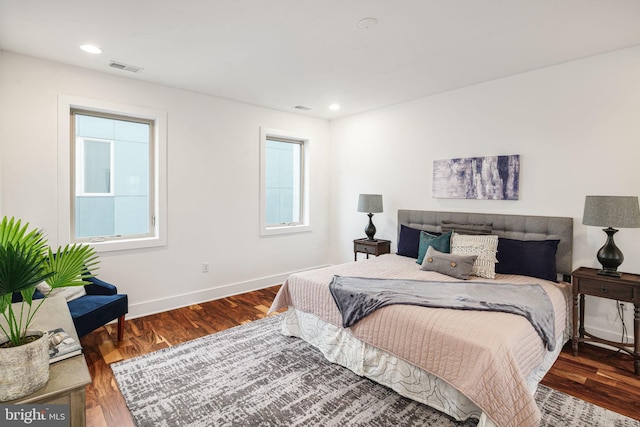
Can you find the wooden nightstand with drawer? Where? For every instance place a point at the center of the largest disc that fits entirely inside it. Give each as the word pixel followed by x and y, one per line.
pixel 374 247
pixel 587 281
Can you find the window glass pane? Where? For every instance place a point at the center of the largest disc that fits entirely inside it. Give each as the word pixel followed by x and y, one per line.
pixel 91 220
pixel 283 182
pixel 97 166
pixel 94 127
pixel 116 198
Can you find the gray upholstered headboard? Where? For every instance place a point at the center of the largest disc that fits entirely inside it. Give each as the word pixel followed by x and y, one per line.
pixel 519 227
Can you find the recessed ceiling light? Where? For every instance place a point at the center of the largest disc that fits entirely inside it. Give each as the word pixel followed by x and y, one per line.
pixel 91 48
pixel 334 107
pixel 367 23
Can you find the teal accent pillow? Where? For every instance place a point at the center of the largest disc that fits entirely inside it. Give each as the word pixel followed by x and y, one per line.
pixel 439 243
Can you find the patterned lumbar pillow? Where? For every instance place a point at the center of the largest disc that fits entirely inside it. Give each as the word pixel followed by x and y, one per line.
pixel 466 228
pixel 457 266
pixel 485 247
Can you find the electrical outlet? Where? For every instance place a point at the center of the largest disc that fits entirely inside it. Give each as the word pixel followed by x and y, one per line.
pixel 205 267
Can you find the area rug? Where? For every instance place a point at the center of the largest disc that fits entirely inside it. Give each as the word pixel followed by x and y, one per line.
pixel 252 375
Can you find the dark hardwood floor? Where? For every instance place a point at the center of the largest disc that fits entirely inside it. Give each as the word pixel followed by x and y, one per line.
pixel 599 376
pixel 603 377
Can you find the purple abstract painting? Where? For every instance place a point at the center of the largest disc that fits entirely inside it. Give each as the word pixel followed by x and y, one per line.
pixel 486 178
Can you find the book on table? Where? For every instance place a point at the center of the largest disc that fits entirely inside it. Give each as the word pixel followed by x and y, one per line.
pixel 62 345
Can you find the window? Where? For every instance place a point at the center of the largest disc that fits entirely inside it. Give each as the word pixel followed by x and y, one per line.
pixel 116 174
pixel 113 172
pixel 283 159
pixel 283 182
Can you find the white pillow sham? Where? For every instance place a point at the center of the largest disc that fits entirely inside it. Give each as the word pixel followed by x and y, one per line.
pixel 484 246
pixel 69 293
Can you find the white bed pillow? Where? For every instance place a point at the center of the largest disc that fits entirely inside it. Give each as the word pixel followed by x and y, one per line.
pixel 485 247
pixel 69 293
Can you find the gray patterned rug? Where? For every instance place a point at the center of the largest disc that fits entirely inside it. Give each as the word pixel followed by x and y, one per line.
pixel 252 375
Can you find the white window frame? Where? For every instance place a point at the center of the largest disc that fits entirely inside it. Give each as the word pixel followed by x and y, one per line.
pixel 305 224
pixel 80 181
pixel 66 215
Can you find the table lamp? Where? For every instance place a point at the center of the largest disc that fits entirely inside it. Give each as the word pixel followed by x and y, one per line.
pixel 370 204
pixel 611 211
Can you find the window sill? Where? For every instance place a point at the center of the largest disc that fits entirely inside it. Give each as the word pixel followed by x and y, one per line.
pixel 123 245
pixel 285 229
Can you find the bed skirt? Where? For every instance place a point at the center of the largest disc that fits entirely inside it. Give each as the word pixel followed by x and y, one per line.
pixel 339 346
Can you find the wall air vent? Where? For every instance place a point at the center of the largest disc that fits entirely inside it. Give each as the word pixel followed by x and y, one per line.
pixel 302 107
pixel 125 67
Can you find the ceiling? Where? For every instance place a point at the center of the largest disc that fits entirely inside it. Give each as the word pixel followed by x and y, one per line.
pixel 284 53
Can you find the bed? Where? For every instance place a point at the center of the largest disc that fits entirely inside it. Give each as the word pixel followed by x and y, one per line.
pixel 465 363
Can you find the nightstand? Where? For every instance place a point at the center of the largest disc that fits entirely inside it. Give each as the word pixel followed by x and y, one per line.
pixel 626 288
pixel 374 247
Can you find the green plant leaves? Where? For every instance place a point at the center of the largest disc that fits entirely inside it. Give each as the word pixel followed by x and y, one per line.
pixel 21 268
pixel 25 261
pixel 70 266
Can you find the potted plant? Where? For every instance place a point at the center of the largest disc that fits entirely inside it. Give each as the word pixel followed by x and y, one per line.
pixel 26 260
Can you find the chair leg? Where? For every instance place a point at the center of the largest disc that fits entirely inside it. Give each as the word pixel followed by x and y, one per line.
pixel 120 327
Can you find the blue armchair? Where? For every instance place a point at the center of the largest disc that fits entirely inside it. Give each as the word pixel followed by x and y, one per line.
pixel 99 306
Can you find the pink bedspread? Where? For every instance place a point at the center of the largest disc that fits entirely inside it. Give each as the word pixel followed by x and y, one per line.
pixel 485 355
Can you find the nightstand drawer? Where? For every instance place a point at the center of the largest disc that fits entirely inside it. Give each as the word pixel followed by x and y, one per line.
pixel 365 249
pixel 606 290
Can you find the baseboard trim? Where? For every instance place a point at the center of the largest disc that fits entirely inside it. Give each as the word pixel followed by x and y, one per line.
pixel 159 305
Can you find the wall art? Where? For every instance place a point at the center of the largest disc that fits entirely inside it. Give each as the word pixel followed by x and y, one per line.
pixel 485 178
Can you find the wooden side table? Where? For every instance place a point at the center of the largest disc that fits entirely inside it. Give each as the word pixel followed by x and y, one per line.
pixel 67 378
pixel 374 247
pixel 586 281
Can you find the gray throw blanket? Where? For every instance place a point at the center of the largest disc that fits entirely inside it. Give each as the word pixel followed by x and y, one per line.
pixel 357 297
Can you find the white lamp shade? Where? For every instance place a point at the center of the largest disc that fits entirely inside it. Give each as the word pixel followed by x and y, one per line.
pixel 370 203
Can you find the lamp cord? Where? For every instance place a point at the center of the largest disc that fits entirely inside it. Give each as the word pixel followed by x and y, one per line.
pixel 624 338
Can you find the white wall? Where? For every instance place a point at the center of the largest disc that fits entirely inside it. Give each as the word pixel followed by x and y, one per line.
pixel 213 187
pixel 2 137
pixel 576 127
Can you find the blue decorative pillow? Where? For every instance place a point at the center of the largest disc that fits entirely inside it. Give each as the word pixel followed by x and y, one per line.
pixel 534 258
pixel 440 243
pixel 408 241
